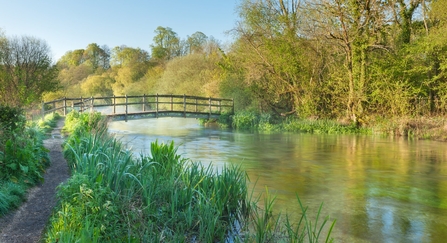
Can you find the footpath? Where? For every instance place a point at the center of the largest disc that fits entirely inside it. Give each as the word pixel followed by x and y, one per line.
pixel 27 224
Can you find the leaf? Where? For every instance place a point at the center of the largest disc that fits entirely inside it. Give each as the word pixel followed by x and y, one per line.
pixel 24 169
pixel 12 166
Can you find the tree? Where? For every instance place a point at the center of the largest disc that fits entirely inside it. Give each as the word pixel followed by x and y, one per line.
pixel 26 71
pixel 97 57
pixel 71 59
pixel 129 66
pixel 193 74
pixel 275 56
pixel 354 29
pixel 98 85
pixel 196 42
pixel 166 44
pixel 128 56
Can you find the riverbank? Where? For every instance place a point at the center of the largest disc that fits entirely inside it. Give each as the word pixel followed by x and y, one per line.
pixel 422 127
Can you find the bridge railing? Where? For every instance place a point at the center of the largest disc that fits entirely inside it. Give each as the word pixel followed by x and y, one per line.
pixel 139 104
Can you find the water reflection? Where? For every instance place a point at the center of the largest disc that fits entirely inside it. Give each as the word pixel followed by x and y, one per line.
pixel 379 190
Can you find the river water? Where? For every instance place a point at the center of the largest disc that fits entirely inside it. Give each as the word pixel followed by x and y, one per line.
pixel 378 189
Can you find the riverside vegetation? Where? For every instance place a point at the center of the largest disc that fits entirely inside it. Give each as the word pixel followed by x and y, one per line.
pixel 23 157
pixel 113 196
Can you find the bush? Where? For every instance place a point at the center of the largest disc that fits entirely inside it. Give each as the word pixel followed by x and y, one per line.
pixel 11 118
pixel 23 157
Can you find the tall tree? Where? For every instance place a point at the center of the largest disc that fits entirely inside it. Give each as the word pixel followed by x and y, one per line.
pixel 196 42
pixel 26 71
pixel 356 28
pixel 166 45
pixel 275 56
pixel 129 66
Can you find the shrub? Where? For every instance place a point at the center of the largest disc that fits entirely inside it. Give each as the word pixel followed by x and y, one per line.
pixel 23 158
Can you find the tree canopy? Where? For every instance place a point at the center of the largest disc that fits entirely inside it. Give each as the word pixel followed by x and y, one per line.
pixel 26 70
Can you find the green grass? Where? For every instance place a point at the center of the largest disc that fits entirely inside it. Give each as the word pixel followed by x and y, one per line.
pixel 49 122
pixel 113 196
pixel 246 120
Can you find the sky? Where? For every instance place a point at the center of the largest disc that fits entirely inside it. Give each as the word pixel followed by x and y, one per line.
pixel 67 25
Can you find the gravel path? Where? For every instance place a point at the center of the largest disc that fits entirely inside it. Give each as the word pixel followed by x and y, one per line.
pixel 27 223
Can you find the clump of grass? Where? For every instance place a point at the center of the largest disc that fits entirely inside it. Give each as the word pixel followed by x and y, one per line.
pixel 49 122
pixel 11 196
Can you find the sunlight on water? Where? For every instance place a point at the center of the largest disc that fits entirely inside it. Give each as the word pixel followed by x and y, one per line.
pixel 378 189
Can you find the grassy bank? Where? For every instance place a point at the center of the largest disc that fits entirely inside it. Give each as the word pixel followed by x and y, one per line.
pixel 423 127
pixel 23 158
pixel 113 196
pixel 432 128
pixel 247 120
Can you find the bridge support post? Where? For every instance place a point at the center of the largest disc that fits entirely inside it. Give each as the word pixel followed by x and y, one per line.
pixel 65 106
pixel 196 105
pixel 91 104
pixel 184 105
pixel 156 106
pixel 209 104
pixel 114 104
pixel 126 107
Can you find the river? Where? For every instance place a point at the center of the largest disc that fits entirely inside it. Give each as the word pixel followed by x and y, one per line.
pixel 378 189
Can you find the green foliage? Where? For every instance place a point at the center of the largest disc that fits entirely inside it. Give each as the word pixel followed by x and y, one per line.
pixel 195 74
pixel 166 44
pixel 11 195
pixel 23 158
pixel 49 122
pixel 79 122
pixel 247 120
pixel 26 71
pixel 11 118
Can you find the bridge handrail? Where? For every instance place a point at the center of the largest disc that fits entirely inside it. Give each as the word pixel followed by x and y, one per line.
pixel 214 105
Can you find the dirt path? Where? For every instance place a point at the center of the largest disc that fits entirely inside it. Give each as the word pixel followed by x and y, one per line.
pixel 28 222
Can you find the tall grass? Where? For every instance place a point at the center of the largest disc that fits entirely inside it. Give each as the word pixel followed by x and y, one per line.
pixel 113 196
pixel 246 120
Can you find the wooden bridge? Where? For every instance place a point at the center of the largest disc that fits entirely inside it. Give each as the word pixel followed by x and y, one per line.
pixel 144 106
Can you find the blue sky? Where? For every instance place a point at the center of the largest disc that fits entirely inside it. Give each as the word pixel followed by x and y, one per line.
pixel 67 25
